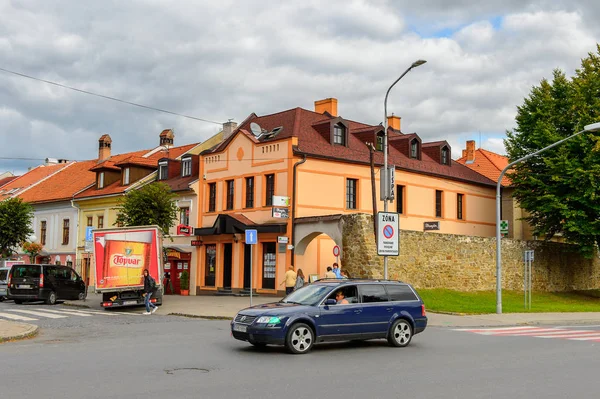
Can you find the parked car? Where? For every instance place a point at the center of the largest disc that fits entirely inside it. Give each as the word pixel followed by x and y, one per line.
pixel 369 309
pixel 49 283
pixel 3 282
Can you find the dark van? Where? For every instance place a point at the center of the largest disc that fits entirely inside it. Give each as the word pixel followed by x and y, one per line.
pixel 48 283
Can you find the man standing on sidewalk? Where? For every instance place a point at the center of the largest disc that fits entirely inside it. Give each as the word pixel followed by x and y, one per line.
pixel 149 287
pixel 290 280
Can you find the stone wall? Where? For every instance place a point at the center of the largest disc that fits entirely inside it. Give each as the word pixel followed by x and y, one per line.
pixel 431 260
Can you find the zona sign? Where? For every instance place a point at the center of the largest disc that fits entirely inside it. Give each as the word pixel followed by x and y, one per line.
pixel 387 237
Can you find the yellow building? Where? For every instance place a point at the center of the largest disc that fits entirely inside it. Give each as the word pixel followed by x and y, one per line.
pixel 290 176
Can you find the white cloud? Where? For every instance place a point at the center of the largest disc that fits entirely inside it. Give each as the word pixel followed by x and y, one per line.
pixel 222 60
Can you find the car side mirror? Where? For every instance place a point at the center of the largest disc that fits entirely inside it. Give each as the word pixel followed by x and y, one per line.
pixel 330 302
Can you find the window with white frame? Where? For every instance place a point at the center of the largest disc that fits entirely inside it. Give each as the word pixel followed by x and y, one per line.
pixel 126 176
pixel 163 170
pixel 186 167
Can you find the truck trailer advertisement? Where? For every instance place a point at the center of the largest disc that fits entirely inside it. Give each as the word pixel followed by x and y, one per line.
pixel 121 255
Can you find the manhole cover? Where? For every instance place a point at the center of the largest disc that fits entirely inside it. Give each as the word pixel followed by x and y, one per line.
pixel 186 370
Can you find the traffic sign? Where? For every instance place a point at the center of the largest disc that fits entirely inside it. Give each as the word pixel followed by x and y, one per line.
pixel 504 226
pixel 387 233
pixel 251 237
pixel 88 234
pixel 336 251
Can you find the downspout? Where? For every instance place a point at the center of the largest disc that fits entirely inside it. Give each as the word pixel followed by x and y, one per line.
pixel 294 206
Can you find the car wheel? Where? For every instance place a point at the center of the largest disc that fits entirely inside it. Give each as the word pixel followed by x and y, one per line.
pixel 18 301
pixel 300 338
pixel 51 298
pixel 1 299
pixel 400 333
pixel 81 296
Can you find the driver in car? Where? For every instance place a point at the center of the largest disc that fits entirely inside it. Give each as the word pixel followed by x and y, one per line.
pixel 340 298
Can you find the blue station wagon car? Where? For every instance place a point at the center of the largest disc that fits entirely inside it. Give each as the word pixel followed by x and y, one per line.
pixel 335 310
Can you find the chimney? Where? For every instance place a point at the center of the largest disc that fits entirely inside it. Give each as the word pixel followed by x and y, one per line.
pixel 394 122
pixel 470 151
pixel 328 105
pixel 464 153
pixel 228 128
pixel 166 138
pixel 104 147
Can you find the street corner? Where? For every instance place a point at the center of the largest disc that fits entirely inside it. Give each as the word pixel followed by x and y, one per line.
pixel 12 331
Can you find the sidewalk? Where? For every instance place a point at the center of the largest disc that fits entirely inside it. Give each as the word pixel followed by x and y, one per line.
pixel 11 331
pixel 226 307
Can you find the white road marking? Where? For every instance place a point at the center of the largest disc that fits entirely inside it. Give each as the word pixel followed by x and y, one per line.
pixel 40 314
pixel 539 332
pixel 16 317
pixel 493 329
pixel 64 312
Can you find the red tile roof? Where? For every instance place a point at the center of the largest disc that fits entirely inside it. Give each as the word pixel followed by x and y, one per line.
pixel 63 184
pixel 116 187
pixel 7 179
pixel 488 164
pixel 300 123
pixel 137 161
pixel 31 178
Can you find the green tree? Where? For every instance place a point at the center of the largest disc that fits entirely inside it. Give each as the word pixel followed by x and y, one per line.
pixel 15 222
pixel 150 205
pixel 560 187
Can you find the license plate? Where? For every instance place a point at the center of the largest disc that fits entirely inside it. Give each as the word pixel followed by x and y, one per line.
pixel 129 302
pixel 24 286
pixel 240 328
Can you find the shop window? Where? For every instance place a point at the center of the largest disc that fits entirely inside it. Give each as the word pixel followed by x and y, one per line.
pixel 210 265
pixel 269 265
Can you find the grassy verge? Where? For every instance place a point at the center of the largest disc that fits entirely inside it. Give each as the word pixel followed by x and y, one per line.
pixel 512 301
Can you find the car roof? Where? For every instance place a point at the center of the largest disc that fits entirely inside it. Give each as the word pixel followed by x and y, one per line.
pixel 337 281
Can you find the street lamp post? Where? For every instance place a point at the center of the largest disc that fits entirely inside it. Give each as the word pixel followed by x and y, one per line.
pixel 386 185
pixel 589 128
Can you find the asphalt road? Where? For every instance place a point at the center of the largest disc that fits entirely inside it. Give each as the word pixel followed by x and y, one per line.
pixel 135 356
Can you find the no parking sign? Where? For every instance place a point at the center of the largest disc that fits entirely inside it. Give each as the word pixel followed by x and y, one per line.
pixel 387 234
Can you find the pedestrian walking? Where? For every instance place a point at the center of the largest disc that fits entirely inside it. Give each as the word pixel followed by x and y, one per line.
pixel 149 287
pixel 289 281
pixel 300 279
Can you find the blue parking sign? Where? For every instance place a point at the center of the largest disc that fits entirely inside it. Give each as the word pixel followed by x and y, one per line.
pixel 88 233
pixel 251 237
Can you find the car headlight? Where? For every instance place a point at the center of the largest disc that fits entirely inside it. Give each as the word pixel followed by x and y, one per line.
pixel 271 320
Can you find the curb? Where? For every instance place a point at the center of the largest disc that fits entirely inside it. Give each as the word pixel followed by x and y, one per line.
pixel 195 316
pixel 33 331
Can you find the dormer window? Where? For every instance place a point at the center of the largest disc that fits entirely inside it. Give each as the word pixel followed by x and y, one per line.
pixel 445 156
pixel 379 144
pixel 101 180
pixel 339 134
pixel 186 167
pixel 126 176
pixel 163 169
pixel 414 149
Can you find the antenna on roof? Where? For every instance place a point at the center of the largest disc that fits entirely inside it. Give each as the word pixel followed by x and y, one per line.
pixel 256 129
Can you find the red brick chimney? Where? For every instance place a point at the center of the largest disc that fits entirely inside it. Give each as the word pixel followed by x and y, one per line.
pixel 470 151
pixel 104 147
pixel 327 105
pixel 394 122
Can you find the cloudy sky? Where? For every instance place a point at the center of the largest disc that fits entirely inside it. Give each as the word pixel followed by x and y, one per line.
pixel 221 60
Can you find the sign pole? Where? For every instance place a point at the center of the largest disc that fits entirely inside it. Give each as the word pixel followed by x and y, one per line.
pixel 251 275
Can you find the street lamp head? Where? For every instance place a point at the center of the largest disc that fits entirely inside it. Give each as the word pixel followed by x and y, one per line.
pixel 594 127
pixel 418 63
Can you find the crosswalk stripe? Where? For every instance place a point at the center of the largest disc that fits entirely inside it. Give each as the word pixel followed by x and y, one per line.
pixel 103 312
pixel 474 330
pixel 532 331
pixel 40 314
pixel 65 312
pixel 16 317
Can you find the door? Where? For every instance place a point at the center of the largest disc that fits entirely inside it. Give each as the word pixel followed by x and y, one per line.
pixel 341 321
pixel 227 264
pixel 377 310
pixel 247 262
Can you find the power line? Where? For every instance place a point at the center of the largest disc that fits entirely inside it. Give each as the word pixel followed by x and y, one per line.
pixel 108 97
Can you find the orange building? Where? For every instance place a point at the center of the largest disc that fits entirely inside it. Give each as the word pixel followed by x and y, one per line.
pixel 290 175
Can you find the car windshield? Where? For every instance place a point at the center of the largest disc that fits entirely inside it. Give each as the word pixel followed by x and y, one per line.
pixel 310 295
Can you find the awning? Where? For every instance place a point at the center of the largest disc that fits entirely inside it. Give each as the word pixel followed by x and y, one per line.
pixel 228 224
pixel 174 248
